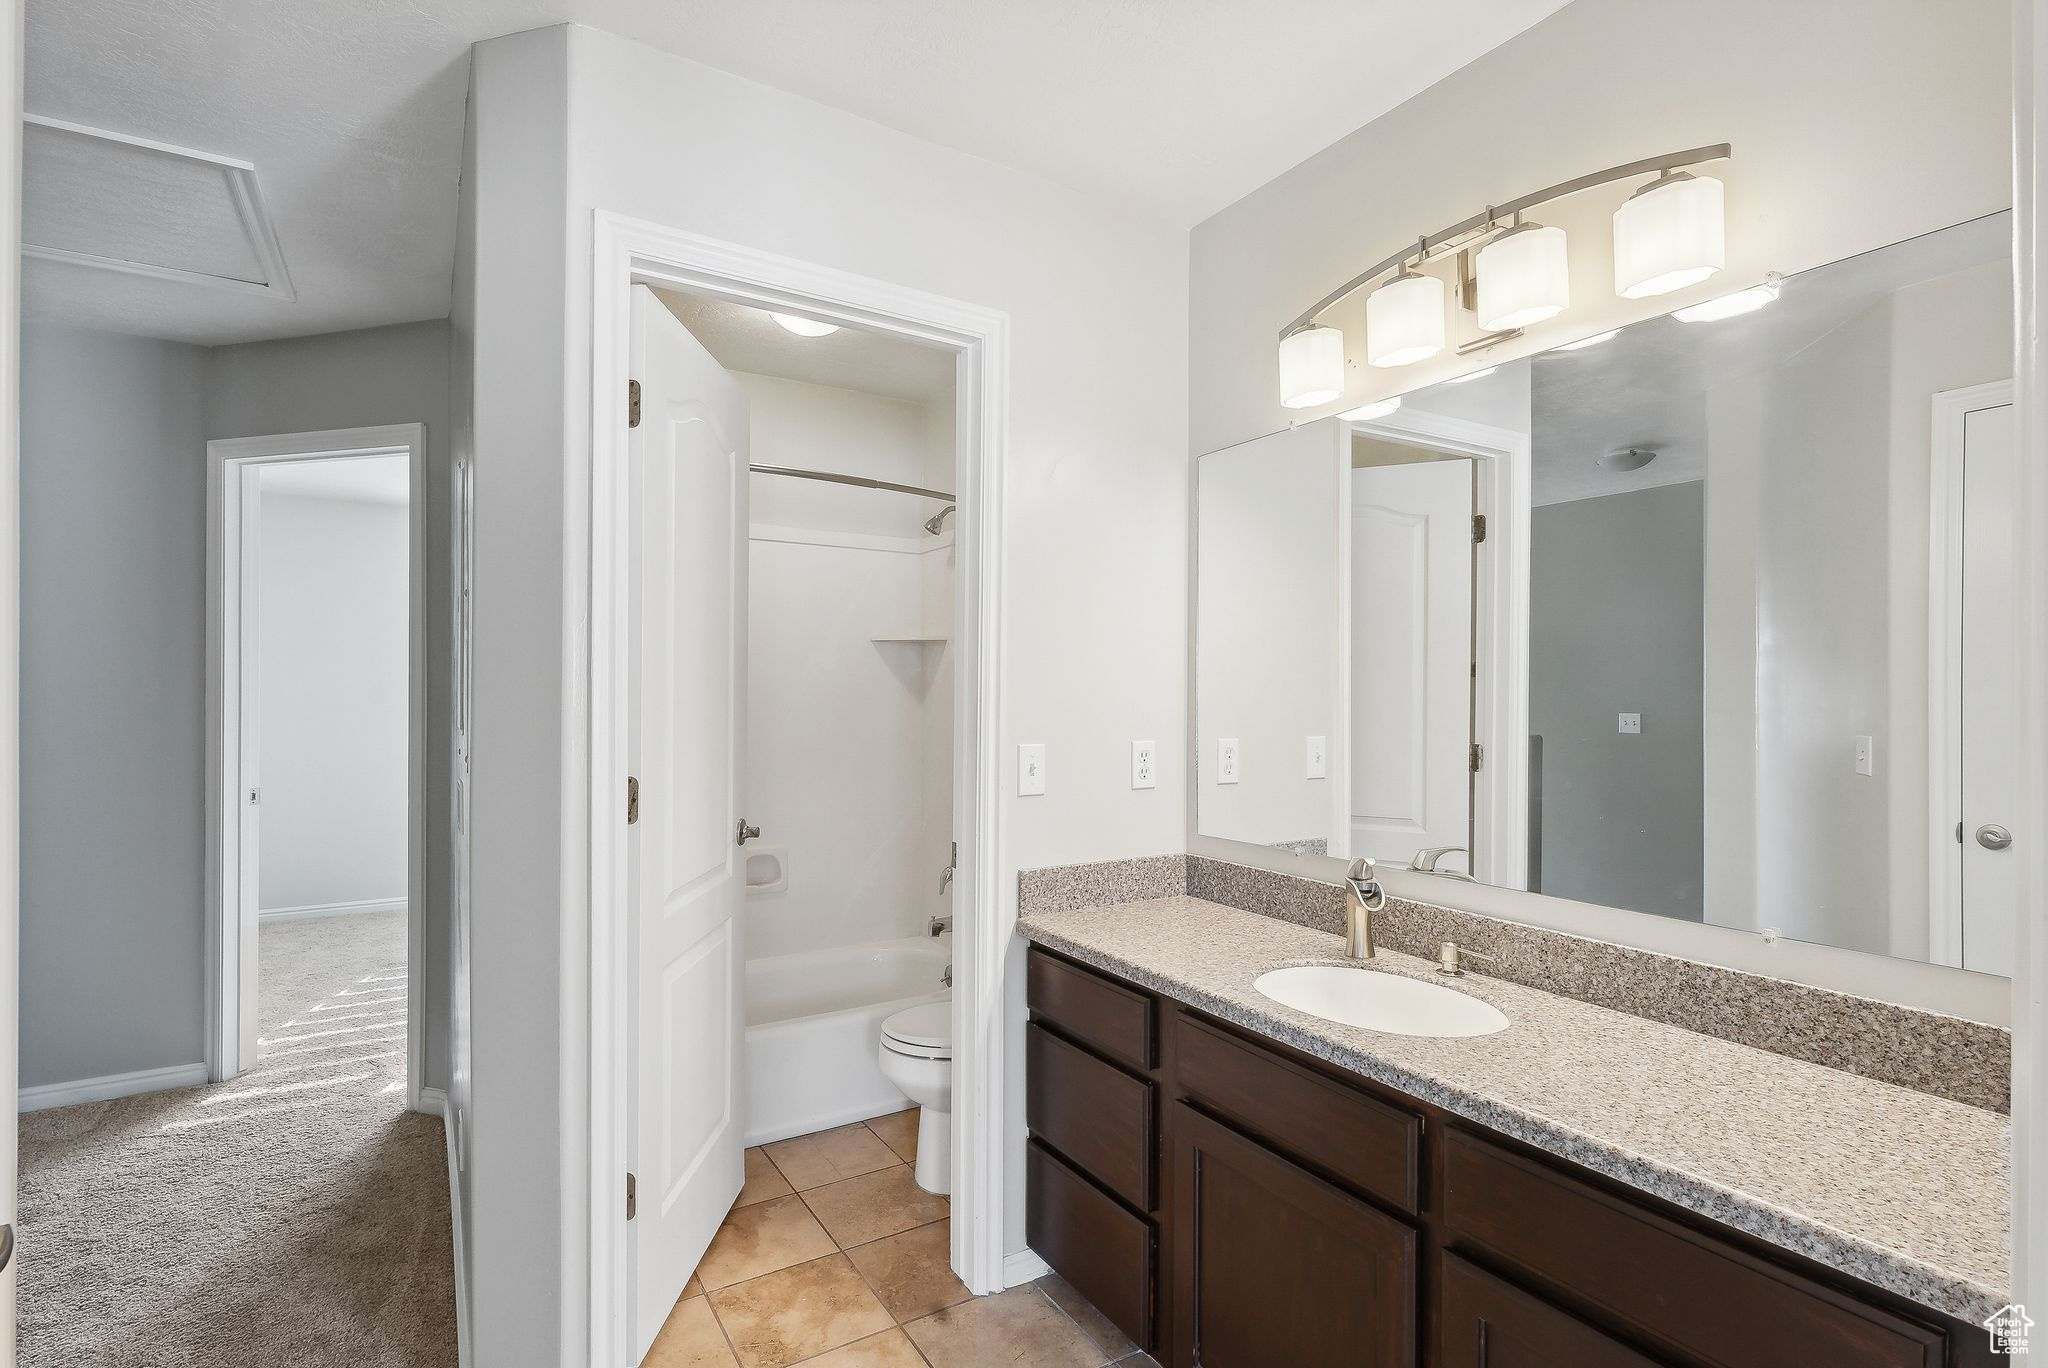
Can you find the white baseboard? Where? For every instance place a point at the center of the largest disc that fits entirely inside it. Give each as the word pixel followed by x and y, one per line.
pixel 47 1095
pixel 1023 1267
pixel 435 1101
pixel 340 909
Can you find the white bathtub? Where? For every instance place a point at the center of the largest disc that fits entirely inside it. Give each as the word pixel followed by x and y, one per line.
pixel 814 1026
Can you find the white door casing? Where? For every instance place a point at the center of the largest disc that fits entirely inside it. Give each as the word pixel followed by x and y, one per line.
pixel 1973 705
pixel 1411 660
pixel 687 473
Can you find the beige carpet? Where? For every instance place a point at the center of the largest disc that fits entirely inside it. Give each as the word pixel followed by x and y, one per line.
pixel 296 1217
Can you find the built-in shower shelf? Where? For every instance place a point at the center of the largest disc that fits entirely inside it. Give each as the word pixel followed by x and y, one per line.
pixel 911 640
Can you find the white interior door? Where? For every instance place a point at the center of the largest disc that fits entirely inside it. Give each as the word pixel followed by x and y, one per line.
pixel 688 478
pixel 1411 659
pixel 1990 702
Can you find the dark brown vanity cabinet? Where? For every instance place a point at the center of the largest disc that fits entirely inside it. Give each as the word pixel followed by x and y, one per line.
pixel 1229 1202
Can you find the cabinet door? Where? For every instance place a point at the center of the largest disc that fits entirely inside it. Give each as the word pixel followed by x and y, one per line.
pixel 1487 1323
pixel 1274 1266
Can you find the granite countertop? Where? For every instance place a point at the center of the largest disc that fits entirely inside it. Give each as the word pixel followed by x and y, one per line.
pixel 1905 1191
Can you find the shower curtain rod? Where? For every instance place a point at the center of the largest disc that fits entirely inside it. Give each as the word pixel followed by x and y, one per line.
pixel 861 481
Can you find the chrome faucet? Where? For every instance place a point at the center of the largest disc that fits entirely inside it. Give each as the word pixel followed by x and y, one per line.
pixel 1425 862
pixel 1363 896
pixel 941 925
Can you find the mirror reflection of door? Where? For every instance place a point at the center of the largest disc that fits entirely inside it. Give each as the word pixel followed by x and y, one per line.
pixel 1412 653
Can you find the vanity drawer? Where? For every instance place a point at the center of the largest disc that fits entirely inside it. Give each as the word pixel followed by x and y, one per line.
pixel 1109 1255
pixel 1661 1281
pixel 1108 1016
pixel 1096 1115
pixel 1359 1139
pixel 1486 1323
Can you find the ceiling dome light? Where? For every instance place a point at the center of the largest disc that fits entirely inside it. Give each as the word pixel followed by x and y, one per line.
pixel 804 327
pixel 1670 234
pixel 1404 320
pixel 1628 458
pixel 1523 278
pixel 1732 305
pixel 1311 367
pixel 1378 408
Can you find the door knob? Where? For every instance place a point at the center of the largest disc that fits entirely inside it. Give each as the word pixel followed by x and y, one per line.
pixel 747 833
pixel 1993 837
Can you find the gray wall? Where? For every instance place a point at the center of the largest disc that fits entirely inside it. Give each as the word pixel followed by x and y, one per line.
pixel 114 433
pixel 113 554
pixel 1615 626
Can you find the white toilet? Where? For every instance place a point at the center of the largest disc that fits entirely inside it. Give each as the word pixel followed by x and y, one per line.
pixel 917 1056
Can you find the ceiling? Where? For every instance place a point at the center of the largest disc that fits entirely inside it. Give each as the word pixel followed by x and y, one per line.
pixel 742 338
pixel 360 479
pixel 352 114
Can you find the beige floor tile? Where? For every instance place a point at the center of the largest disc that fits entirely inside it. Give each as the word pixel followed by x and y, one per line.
pixel 898 1131
pixel 798 1313
pixel 911 1272
pixel 811 1161
pixel 764 1180
pixel 690 1339
pixel 858 1210
pixel 1018 1328
pixel 762 1238
pixel 694 1287
pixel 1111 1341
pixel 890 1349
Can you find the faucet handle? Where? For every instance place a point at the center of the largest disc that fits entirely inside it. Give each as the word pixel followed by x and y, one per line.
pixel 1363 870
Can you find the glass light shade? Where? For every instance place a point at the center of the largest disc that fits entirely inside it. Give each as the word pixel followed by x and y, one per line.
pixel 1311 367
pixel 804 327
pixel 1523 278
pixel 1670 234
pixel 1404 320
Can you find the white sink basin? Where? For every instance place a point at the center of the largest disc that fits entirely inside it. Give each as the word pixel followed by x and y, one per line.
pixel 1380 1002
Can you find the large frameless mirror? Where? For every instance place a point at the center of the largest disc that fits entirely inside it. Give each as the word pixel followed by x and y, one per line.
pixel 1703 619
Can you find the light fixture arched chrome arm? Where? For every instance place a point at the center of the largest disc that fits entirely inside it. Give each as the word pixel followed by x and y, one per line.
pixel 1459 234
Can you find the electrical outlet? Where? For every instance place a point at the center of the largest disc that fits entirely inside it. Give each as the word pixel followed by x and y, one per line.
pixel 1144 772
pixel 1631 724
pixel 1226 760
pixel 1866 755
pixel 1030 768
pixel 1318 761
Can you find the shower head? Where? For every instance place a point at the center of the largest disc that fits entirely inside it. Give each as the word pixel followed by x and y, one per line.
pixel 937 521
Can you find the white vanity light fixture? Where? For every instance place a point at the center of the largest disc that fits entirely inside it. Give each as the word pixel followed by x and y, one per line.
pixel 1595 340
pixel 1521 276
pixel 1524 278
pixel 1732 305
pixel 804 327
pixel 1378 408
pixel 1311 367
pixel 1404 320
pixel 1670 234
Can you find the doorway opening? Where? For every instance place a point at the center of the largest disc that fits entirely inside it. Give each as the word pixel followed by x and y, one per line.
pixel 673 673
pixel 316 707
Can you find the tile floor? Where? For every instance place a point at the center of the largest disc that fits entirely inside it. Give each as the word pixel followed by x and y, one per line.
pixel 834 1257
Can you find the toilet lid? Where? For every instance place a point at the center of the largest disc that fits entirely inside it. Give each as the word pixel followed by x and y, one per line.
pixel 926 1029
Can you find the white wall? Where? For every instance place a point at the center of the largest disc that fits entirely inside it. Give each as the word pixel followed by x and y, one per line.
pixel 331 647
pixel 113 556
pixel 1096 490
pixel 839 726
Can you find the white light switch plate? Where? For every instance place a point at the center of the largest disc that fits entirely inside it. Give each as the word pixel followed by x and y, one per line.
pixel 1144 770
pixel 1226 760
pixel 1318 760
pixel 1030 768
pixel 1631 724
pixel 1866 755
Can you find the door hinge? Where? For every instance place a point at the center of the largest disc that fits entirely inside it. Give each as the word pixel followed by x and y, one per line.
pixel 1478 526
pixel 1478 756
pixel 632 800
pixel 632 1196
pixel 632 403
pixel 254 798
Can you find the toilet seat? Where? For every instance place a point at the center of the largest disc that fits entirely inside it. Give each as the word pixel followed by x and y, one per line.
pixel 923 1032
